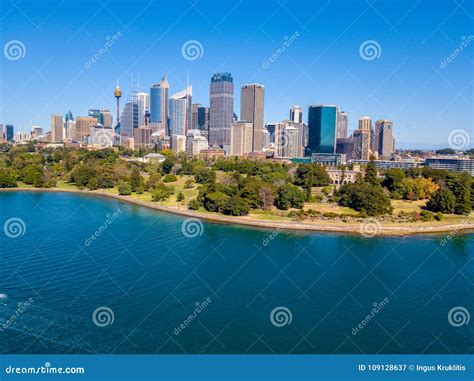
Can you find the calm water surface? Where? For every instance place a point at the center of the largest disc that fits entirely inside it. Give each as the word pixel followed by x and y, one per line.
pixel 220 286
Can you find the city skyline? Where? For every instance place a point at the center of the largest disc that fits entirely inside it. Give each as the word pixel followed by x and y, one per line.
pixel 408 81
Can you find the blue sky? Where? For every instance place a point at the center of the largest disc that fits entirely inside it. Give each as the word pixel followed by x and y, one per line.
pixel 405 82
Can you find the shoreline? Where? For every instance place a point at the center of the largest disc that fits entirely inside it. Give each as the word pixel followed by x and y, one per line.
pixel 348 229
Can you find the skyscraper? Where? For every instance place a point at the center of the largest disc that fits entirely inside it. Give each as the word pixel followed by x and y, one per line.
pixel 221 109
pixel 362 139
pixel 144 107
pixel 251 110
pixel 180 111
pixel 9 132
pixel 94 113
pixel 383 142
pixel 159 94
pixel 83 127
pixel 131 113
pixel 194 116
pixel 105 118
pixel 57 128
pixel 203 120
pixel 241 138
pixel 296 114
pixel 322 125
pixel 341 125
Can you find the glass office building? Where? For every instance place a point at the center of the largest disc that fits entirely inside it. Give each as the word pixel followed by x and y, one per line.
pixel 322 125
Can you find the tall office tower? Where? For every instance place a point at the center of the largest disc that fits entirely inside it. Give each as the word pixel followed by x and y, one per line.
pixel 180 110
pixel 159 94
pixel 142 136
pixel 296 114
pixel 241 138
pixel 178 143
pixel 57 128
pixel 383 141
pixel 345 146
pixel 68 117
pixel 203 120
pixel 221 109
pixel 341 125
pixel 35 131
pixel 9 132
pixel 362 139
pixel 322 125
pixel 288 139
pixel 144 101
pixel 2 133
pixel 251 110
pixel 131 113
pixel 271 128
pixel 83 127
pixel 70 130
pixel 194 116
pixel 94 113
pixel 105 118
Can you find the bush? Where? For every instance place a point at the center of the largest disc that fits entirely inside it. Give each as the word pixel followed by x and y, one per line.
pixel 170 178
pixel 235 206
pixel 161 192
pixel 189 184
pixel 180 197
pixel 438 216
pixel 205 176
pixel 194 205
pixel 124 189
pixel 427 216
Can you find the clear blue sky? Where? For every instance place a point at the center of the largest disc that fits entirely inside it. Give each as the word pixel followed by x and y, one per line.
pixel 406 83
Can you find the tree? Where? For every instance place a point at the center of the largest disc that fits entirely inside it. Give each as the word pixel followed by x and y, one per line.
pixel 365 198
pixel 371 174
pixel 161 192
pixel 393 182
pixel 124 189
pixel 235 206
pixel 442 200
pixel 189 184
pixel 460 185
pixel 205 176
pixel 180 197
pixel 136 180
pixel 194 204
pixel 417 189
pixel 215 201
pixel 309 186
pixel 266 199
pixel 289 196
pixel 170 178
pixel 7 178
pixel 319 176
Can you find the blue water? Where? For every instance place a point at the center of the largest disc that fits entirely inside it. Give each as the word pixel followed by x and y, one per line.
pixel 150 276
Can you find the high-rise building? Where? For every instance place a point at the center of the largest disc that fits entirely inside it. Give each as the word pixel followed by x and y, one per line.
pixel 159 94
pixel 2 133
pixel 221 109
pixel 35 132
pixel 94 113
pixel 57 128
pixel 288 138
pixel 70 130
pixel 322 125
pixel 144 107
pixel 142 137
pixel 203 120
pixel 383 141
pixel 296 114
pixel 83 127
pixel 180 110
pixel 131 114
pixel 9 132
pixel 106 118
pixel 362 139
pixel 251 110
pixel 195 116
pixel 241 138
pixel 345 146
pixel 178 143
pixel 341 131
